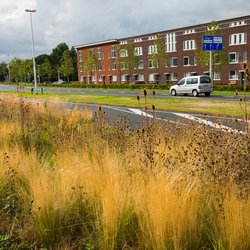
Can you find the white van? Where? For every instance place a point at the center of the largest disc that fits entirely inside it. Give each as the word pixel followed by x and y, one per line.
pixel 193 85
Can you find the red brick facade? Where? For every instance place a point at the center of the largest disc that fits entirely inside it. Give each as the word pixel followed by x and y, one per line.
pixel 180 47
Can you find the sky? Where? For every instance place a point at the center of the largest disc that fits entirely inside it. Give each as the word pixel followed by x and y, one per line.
pixel 76 22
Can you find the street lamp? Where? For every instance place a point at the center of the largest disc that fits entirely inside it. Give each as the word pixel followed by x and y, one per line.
pixel 33 49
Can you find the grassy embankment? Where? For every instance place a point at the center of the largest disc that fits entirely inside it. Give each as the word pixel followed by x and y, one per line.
pixel 213 107
pixel 69 183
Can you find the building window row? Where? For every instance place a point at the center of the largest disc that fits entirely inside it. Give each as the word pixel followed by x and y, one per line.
pixel 239 23
pixel 170 41
pixel 189 45
pixel 237 39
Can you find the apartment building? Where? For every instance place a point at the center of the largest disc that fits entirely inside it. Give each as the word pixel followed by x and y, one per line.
pixel 180 47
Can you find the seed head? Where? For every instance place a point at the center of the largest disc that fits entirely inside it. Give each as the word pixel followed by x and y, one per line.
pixel 145 92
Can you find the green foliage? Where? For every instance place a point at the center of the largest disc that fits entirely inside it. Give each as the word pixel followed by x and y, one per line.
pixel 219 58
pixel 47 69
pixel 91 63
pixel 67 67
pixel 130 60
pixel 160 57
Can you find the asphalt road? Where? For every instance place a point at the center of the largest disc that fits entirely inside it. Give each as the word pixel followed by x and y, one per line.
pixel 116 92
pixel 136 116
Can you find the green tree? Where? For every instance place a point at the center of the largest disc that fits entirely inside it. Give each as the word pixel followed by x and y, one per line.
pixel 219 58
pixel 3 71
pixel 90 64
pixel 128 58
pixel 67 67
pixel 74 60
pixel 56 57
pixel 160 56
pixel 47 69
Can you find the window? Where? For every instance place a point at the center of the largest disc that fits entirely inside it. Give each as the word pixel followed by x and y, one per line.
pixel 189 45
pixel 151 63
pixel 242 56
pixel 123 53
pixel 99 66
pixel 181 82
pixel 138 51
pixel 217 75
pixel 233 57
pixel 173 62
pixel 239 23
pixel 99 53
pixel 123 42
pixel 189 32
pixel 141 64
pixel 123 78
pixel 233 75
pixel 114 78
pixel 173 76
pixel 137 40
pixel 186 61
pixel 152 37
pixel 151 77
pixel 80 57
pixel 237 39
pixel 192 80
pixel 205 79
pixel 113 51
pixel 141 77
pixel 114 66
pixel 170 41
pixel 81 68
pixel 122 66
pixel 152 49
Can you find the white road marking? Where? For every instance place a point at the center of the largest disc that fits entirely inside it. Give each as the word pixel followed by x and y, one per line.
pixel 209 123
pixel 140 112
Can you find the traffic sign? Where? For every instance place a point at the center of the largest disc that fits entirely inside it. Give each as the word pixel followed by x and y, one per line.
pixel 212 43
pixel 218 43
pixel 207 42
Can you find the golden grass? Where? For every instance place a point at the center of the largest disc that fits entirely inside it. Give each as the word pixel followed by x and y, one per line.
pixel 102 187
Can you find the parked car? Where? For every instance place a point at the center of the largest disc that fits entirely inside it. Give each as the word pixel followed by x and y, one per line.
pixel 60 81
pixel 193 85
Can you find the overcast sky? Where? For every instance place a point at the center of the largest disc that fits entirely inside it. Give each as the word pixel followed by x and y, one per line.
pixel 82 21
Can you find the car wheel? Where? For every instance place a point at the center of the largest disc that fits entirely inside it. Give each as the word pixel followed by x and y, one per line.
pixel 173 92
pixel 195 93
pixel 207 94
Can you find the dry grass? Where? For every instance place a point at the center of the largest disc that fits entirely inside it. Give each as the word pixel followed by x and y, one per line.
pixel 67 182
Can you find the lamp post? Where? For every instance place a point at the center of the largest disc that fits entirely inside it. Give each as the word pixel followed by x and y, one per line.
pixel 33 49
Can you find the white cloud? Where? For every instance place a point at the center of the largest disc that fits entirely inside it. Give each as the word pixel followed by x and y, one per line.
pixel 82 21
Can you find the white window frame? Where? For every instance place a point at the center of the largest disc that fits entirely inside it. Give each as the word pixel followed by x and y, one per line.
pixel 152 49
pixel 189 45
pixel 151 77
pixel 217 75
pixel 113 65
pixel 113 51
pixel 170 41
pixel 123 53
pixel 141 64
pixel 235 57
pixel 114 78
pixel 186 57
pixel 171 62
pixel 99 54
pixel 238 39
pixel 233 76
pixel 138 51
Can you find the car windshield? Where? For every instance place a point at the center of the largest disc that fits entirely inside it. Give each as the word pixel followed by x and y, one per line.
pixel 205 79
